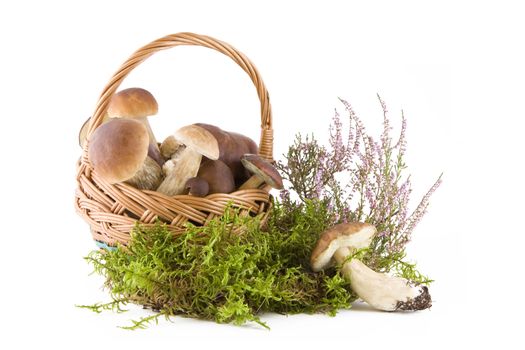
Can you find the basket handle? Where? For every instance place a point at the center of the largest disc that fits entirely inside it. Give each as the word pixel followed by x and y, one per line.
pixel 169 41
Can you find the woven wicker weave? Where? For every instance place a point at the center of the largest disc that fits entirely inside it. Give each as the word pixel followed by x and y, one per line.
pixel 113 209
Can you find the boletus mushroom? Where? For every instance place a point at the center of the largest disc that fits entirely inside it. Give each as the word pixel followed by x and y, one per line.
pixel 137 104
pixel 379 290
pixel 197 187
pixel 198 143
pixel 132 103
pixel 232 146
pixel 118 152
pixel 82 134
pixel 213 177
pixel 263 173
pixel 169 147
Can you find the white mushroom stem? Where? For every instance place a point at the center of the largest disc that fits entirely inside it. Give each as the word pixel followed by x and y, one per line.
pixel 148 177
pixel 144 120
pixel 178 171
pixel 380 290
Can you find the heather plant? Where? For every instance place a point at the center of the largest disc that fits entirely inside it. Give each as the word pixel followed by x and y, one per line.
pixel 358 178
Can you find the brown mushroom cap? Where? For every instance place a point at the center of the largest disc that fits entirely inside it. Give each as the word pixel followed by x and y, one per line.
pixel 218 175
pixel 355 235
pixel 232 146
pixel 197 186
pixel 264 169
pixel 118 148
pixel 198 139
pixel 132 103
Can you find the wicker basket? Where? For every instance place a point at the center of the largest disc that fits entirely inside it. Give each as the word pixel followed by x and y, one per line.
pixel 113 209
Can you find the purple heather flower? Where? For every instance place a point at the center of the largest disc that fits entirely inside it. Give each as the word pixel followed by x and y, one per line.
pixel 336 137
pixel 319 177
pixel 385 136
pixel 371 177
pixel 401 143
pixel 284 195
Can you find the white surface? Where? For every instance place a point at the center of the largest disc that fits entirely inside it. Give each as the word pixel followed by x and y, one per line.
pixel 456 69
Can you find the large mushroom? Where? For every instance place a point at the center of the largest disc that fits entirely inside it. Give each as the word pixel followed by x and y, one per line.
pixel 379 290
pixel 232 146
pixel 263 173
pixel 118 151
pixel 198 143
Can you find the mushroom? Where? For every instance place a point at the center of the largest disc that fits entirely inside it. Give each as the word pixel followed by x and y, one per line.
pixel 263 172
pixel 197 187
pixel 169 147
pixel 232 146
pixel 134 103
pixel 179 170
pixel 154 153
pixel 217 176
pixel 118 151
pixel 380 290
pixel 82 134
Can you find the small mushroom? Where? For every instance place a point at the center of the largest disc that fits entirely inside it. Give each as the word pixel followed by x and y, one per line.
pixel 379 290
pixel 198 142
pixel 197 187
pixel 118 151
pixel 216 175
pixel 263 172
pixel 82 134
pixel 169 147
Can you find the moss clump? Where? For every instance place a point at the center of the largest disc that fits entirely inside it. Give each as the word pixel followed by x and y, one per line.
pixel 215 273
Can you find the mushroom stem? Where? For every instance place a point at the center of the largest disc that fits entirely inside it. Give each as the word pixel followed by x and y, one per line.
pixel 380 290
pixel 252 183
pixel 152 139
pixel 263 172
pixel 148 177
pixel 179 171
pixel 341 255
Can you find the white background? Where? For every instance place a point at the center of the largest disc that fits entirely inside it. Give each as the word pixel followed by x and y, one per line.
pixel 456 69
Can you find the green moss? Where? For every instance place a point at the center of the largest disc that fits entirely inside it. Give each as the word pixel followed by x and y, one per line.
pixel 217 274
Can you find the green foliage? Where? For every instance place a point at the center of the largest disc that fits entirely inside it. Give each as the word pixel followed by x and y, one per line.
pixel 217 273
